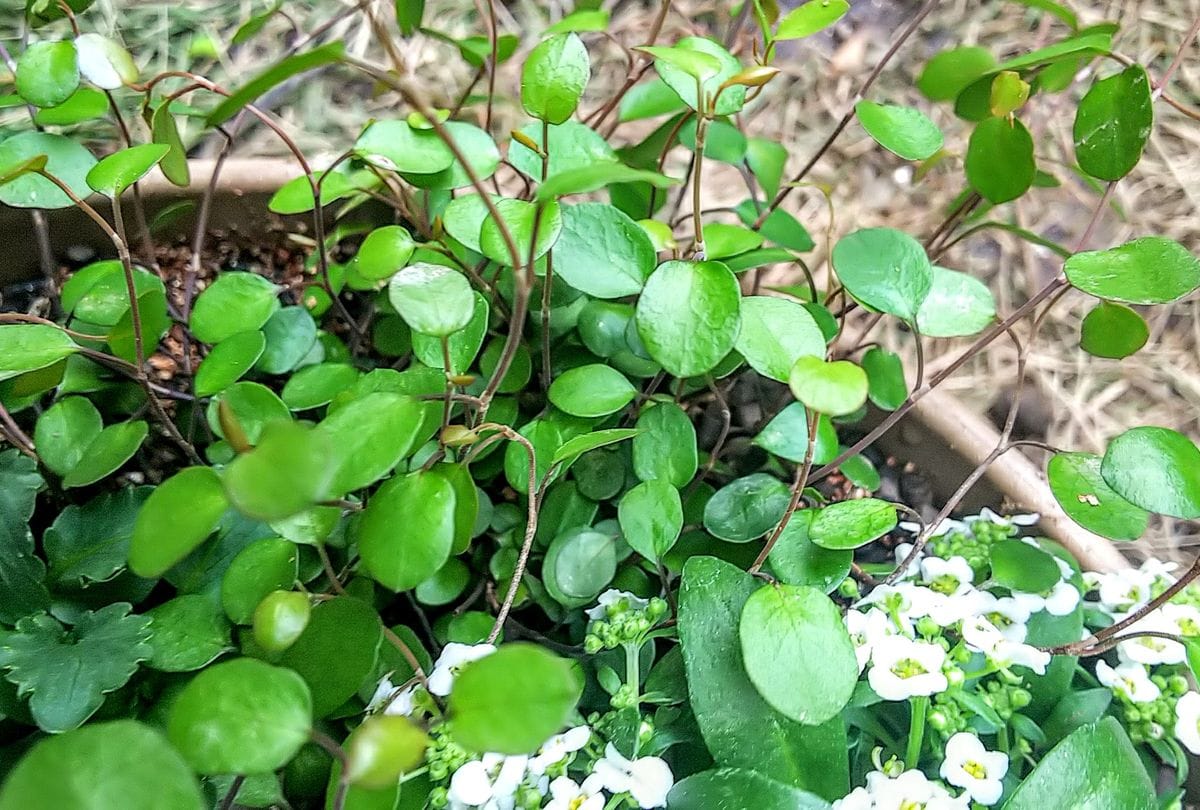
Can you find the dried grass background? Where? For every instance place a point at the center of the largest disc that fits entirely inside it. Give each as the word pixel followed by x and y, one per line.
pixel 1076 401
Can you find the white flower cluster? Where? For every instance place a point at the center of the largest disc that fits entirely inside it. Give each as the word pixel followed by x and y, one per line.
pixel 938 593
pixel 967 765
pixel 492 781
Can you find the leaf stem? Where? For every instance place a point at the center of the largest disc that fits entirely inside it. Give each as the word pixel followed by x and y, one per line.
pixel 916 730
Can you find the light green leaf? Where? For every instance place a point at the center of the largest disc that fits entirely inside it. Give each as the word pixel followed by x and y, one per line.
pixel 373 433
pixel 665 446
pixel 116 764
pixel 47 73
pixel 512 700
pixel 288 471
pixel 832 388
pixel 120 170
pixel 651 516
pixel 775 333
pixel 397 146
pixel 191 502
pixel 64 431
pixel 67 673
pixel 579 564
pixel 383 749
pixel 260 568
pixel 66 160
pixel 786 435
pixel 187 633
pixel 317 385
pixel 432 299
pixel 518 217
pixel 797 560
pixel 241 716
pixel 104 63
pixel 590 391
pixel 1023 567
pixel 850 524
pixel 165 131
pixel 554 78
pixel 107 453
pixel 904 131
pixel 957 305
pixel 602 252
pixel 228 361
pixel 886 386
pixel 950 71
pixel 290 334
pixel 384 252
pixel 810 17
pixel 746 508
pixel 476 146
pixel 1113 331
pixel 30 346
pixel 1156 469
pixel 234 303
pixel 699 57
pixel 595 176
pixel 885 269
pixel 1088 500
pixel 1151 270
pixel 688 316
pixel 793 634
pixel 407 529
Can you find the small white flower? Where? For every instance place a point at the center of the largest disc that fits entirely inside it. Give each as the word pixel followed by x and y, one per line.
pixel 1007 615
pixel 611 597
pixel 1058 601
pixel 856 628
pixel 558 747
pixel 901 553
pixel 1187 721
pixel 1131 680
pixel 904 601
pixel 970 766
pixel 1152 650
pixel 903 668
pixel 911 789
pixel 951 577
pixel 648 779
pixel 490 782
pixel 1004 520
pixel 565 794
pixel 453 658
pixel 1159 569
pixel 980 635
pixel 1184 617
pixel 1125 591
pixel 857 799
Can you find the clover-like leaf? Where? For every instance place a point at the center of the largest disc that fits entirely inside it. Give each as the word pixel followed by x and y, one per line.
pixel 832 388
pixel 432 299
pixel 688 316
pixel 22 573
pixel 89 543
pixel 66 673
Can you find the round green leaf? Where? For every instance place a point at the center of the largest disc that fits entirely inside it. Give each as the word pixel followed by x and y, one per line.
pixel 478 148
pixel 337 651
pixel 64 432
pixel 228 361
pixel 579 564
pixel 665 445
pixel 288 471
pixel 432 299
pixel 190 503
pixel 957 305
pixel 574 147
pixel 810 17
pixel 746 508
pixel 886 386
pixel 1113 330
pixel 688 316
pixel 554 78
pixel 241 716
pixel 999 161
pixel 797 560
pixel 290 334
pixel 885 269
pixel 1088 500
pixel 317 385
pixel 407 529
pixel 834 389
pixel 187 633
pixel 519 370
pixel 106 453
pixel 31 346
pixel 253 405
pixel 787 436
pixel 1151 270
pixel 1023 567
pixel 904 131
pixel 1157 469
pixel 235 302
pixel 464 344
pixel 446 585
pixel 592 390
pixel 850 524
pixel 793 634
pixel 397 146
pixel 372 433
pixel 602 252
pixel 710 62
pixel 66 160
pixel 651 516
pixel 105 765
pixel 1112 124
pixel 280 619
pixel 258 569
pixel 384 252
pixel 722 240
pixel 85 104
pixel 384 748
pixel 518 216
pixel 513 700
pixel 775 332
pixel 120 170
pixel 950 71
pixel 174 164
pixel 47 73
pixel 296 195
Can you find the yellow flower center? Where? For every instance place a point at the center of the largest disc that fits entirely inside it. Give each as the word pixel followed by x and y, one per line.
pixel 576 803
pixel 945 584
pixel 908 668
pixel 974 769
